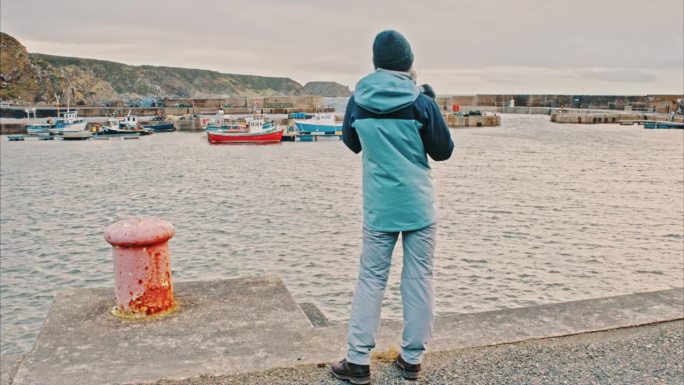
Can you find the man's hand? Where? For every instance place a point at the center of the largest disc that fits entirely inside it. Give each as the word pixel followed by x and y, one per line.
pixel 427 90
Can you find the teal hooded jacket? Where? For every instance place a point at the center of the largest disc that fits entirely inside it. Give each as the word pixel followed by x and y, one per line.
pixel 396 128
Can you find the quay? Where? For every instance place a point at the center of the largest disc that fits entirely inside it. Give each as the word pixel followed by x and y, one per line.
pixel 251 330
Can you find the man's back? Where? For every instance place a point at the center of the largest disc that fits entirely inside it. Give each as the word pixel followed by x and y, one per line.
pixel 396 127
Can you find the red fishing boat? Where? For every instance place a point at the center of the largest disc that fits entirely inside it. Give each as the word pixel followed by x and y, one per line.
pixel 255 131
pixel 245 137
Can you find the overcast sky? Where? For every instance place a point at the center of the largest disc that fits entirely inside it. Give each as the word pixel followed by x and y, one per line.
pixel 460 46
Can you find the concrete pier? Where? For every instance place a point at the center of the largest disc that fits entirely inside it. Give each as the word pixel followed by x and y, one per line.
pixel 253 324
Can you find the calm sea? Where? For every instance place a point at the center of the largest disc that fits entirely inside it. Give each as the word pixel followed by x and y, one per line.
pixel 530 213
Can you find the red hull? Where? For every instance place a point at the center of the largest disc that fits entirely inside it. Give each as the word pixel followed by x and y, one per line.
pixel 230 137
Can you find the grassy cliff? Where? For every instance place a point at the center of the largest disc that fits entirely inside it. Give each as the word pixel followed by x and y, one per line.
pixel 38 78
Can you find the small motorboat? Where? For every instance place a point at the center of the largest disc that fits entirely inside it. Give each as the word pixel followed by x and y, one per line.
pixel 662 124
pixel 37 129
pixel 130 124
pixel 114 127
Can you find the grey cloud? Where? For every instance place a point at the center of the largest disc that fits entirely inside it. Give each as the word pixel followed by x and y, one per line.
pixel 620 75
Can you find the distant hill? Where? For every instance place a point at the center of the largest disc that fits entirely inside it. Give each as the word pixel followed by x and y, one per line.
pixel 326 89
pixel 38 78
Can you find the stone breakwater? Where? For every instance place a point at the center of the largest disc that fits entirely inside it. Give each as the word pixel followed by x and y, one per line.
pixel 609 117
pixel 455 121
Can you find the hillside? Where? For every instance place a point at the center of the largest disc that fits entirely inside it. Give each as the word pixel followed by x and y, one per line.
pixel 326 89
pixel 37 78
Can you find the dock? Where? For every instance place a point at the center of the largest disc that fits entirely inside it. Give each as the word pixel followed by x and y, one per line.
pixel 252 324
pixel 18 138
pixel 116 137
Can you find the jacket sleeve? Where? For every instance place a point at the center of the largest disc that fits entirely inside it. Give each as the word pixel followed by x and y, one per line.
pixel 349 135
pixel 435 133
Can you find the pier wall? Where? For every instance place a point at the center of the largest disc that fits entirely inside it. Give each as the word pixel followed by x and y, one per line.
pixel 455 121
pixel 608 117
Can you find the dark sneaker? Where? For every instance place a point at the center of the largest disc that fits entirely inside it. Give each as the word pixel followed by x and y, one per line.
pixel 356 374
pixel 410 371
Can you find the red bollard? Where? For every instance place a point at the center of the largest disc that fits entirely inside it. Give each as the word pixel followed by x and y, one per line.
pixel 142 269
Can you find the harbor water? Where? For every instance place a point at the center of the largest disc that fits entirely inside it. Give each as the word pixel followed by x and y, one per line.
pixel 530 213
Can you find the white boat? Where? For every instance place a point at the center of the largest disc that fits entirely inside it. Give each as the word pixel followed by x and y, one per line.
pixel 72 124
pixel 319 124
pixel 75 129
pixel 69 134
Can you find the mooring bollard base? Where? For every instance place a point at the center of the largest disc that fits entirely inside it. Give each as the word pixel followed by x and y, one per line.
pixel 134 316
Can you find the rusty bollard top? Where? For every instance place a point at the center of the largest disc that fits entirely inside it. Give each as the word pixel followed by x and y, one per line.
pixel 142 268
pixel 139 232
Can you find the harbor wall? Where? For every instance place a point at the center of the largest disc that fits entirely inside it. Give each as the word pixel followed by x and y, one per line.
pixel 12 128
pixel 456 121
pixel 642 103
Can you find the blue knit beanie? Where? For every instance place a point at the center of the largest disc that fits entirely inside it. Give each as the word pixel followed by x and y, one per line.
pixel 391 51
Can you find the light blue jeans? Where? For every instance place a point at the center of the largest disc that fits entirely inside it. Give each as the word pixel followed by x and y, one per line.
pixel 417 293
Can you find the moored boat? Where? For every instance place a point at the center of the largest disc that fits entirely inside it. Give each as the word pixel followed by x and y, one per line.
pixel 37 129
pixel 256 130
pixel 115 127
pixel 74 134
pixel 69 123
pixel 129 125
pixel 319 124
pixel 160 127
pixel 274 135
pixel 661 124
pixel 223 123
pixel 76 131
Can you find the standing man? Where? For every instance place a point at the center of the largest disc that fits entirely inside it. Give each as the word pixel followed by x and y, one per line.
pixel 397 125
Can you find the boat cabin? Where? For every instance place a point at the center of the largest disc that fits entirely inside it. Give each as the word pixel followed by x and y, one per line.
pixel 129 121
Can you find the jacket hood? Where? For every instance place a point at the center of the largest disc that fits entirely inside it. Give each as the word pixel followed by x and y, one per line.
pixel 385 91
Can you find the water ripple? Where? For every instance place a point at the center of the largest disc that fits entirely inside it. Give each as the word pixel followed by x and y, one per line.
pixel 530 213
